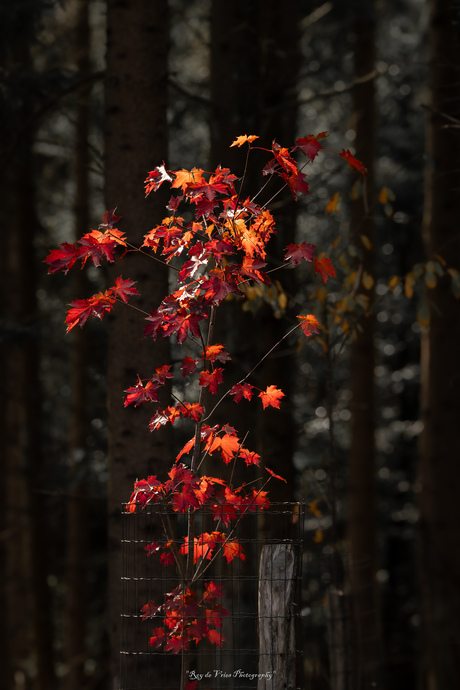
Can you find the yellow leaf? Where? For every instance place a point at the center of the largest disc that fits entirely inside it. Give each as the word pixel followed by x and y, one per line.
pixel 383 195
pixel 366 241
pixel 367 280
pixel 336 242
pixel 282 300
pixel 362 301
pixel 321 294
pixel 318 538
pixel 333 205
pixel 388 210
pixel 409 285
pixel 430 279
pixel 393 283
pixel 313 508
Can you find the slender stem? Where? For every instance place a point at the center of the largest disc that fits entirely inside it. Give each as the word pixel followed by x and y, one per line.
pixel 267 354
pixel 195 457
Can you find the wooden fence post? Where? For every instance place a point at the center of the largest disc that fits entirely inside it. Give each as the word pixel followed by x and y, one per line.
pixel 277 655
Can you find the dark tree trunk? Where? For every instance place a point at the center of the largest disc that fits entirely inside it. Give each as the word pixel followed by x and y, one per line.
pixel 362 470
pixel 439 472
pixel 75 614
pixel 136 141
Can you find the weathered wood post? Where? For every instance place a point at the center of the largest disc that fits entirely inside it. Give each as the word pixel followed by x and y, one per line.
pixel 277 655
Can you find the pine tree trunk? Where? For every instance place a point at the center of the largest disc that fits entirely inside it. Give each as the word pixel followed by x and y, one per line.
pixel 439 473
pixel 362 469
pixel 75 614
pixel 136 141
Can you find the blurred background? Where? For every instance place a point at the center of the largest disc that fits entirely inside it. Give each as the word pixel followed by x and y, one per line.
pixel 95 94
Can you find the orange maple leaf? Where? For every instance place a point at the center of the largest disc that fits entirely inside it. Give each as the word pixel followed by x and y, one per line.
pixel 309 324
pixel 239 141
pixel 271 397
pixel 232 549
pixel 228 446
pixel 276 476
pixel 186 178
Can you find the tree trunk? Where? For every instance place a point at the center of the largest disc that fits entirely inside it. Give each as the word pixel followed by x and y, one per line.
pixel 362 471
pixel 136 141
pixel 75 613
pixel 439 473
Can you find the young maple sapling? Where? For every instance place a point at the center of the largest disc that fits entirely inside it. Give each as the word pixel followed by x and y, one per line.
pixel 220 252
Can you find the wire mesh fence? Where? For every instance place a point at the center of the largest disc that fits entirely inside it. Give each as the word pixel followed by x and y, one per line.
pixel 255 624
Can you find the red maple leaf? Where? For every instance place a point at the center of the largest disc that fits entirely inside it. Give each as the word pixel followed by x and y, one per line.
pixel 271 397
pixel 296 183
pixel 295 253
pixel 123 289
pixel 181 323
pixel 193 410
pixel 219 284
pixel 152 548
pixel 250 268
pixel 176 644
pixel 149 610
pixel 184 500
pixel 212 592
pixel 64 257
pixel 324 268
pixel 216 352
pixel 157 638
pixel 211 379
pixel 241 390
pixel 170 414
pixel 109 219
pixel 155 179
pixel 353 162
pixel 284 158
pixel 309 324
pixel 138 394
pixel 188 366
pixel 82 309
pixel 258 500
pixel 167 558
pixel 310 145
pixel 215 637
pixel 101 245
pixel 249 457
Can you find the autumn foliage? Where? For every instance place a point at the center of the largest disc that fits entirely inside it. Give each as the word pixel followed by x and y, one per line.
pixel 220 252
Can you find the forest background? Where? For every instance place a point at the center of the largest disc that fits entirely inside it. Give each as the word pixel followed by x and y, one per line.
pixel 93 96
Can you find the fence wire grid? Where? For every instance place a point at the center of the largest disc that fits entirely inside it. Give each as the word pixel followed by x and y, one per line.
pixel 260 636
